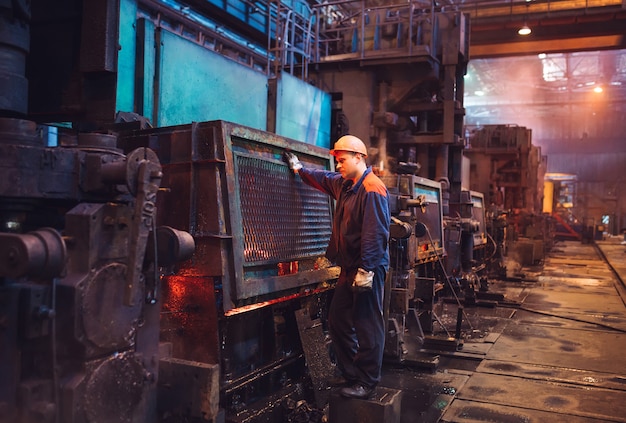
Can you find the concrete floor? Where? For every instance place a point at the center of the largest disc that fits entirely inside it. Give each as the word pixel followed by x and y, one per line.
pixel 553 351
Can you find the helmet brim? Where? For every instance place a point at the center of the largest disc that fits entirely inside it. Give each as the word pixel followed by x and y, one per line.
pixel 334 152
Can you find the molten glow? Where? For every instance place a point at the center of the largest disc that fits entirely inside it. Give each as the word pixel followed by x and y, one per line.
pixel 257 306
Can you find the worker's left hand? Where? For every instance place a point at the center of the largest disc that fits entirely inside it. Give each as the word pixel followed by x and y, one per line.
pixel 363 280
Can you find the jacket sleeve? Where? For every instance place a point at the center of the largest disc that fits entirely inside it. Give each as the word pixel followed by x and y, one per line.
pixel 323 180
pixel 375 231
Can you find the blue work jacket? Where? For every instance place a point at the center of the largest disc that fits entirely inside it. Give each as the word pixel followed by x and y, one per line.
pixel 360 233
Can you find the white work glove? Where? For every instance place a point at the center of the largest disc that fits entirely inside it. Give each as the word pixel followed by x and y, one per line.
pixel 292 161
pixel 363 280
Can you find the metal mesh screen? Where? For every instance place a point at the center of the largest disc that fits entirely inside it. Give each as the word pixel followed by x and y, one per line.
pixel 283 219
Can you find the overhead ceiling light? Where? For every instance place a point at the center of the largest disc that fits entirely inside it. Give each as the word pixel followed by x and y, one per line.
pixel 525 30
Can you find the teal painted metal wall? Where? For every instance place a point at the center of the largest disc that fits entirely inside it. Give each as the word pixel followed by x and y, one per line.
pixel 303 111
pixel 172 80
pixel 145 65
pixel 126 56
pixel 199 85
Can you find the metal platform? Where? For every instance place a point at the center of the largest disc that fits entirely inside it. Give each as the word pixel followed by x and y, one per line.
pixel 552 351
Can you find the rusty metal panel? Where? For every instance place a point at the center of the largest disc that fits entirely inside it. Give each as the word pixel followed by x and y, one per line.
pixel 257 226
pixel 188 388
pixel 274 222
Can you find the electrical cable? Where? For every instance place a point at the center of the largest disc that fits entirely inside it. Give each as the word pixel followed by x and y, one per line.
pixel 487 259
pixel 495 246
pixel 155 288
pixel 530 310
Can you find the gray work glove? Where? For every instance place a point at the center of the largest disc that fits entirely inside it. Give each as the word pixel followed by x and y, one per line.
pixel 292 161
pixel 363 280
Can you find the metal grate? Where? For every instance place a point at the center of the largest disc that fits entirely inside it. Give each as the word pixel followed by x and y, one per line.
pixel 283 219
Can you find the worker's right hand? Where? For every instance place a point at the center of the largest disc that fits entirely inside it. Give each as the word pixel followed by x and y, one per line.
pixel 363 280
pixel 292 161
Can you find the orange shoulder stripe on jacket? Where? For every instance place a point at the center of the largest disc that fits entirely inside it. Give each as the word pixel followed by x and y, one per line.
pixel 373 184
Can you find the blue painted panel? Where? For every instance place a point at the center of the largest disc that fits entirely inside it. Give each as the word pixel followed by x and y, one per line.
pixel 237 9
pixel 126 57
pixel 146 107
pixel 303 112
pixel 199 85
pixel 245 12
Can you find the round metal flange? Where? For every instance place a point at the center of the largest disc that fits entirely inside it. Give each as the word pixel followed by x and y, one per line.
pixel 133 161
pixel 115 389
pixel 107 321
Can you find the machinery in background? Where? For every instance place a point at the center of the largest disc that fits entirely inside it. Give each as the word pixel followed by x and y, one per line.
pixel 559 202
pixel 416 268
pixel 510 170
pixel 433 256
pixel 470 249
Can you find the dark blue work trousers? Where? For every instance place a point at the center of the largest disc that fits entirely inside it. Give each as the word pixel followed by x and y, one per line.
pixel 357 328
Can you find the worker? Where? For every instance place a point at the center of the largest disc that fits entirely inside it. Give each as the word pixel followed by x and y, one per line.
pixel 359 245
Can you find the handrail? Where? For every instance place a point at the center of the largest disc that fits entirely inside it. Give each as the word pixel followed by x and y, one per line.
pixel 354 32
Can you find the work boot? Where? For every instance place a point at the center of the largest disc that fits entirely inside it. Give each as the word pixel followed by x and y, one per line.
pixel 337 381
pixel 358 390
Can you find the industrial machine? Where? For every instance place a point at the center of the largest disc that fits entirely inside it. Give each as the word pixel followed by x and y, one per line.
pixel 232 312
pixel 510 170
pixel 417 253
pixel 79 271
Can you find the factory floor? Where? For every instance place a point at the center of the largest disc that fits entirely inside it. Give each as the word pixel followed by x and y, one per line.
pixel 553 349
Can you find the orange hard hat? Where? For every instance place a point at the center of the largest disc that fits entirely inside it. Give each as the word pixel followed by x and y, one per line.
pixel 349 143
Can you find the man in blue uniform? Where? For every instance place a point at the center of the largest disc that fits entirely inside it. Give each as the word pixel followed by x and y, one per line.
pixel 359 245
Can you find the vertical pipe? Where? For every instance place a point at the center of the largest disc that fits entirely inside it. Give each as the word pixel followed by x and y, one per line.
pixel 156 86
pixel 422 159
pixel 383 98
pixel 442 165
pixel 441 175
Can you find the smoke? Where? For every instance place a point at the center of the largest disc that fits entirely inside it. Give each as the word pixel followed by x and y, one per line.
pixel 513 266
pixel 566 99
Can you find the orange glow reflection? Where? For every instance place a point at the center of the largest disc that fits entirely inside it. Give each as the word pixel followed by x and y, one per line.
pixel 177 291
pixel 257 306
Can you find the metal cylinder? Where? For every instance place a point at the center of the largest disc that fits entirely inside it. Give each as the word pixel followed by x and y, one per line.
pixel 40 253
pixel 14 47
